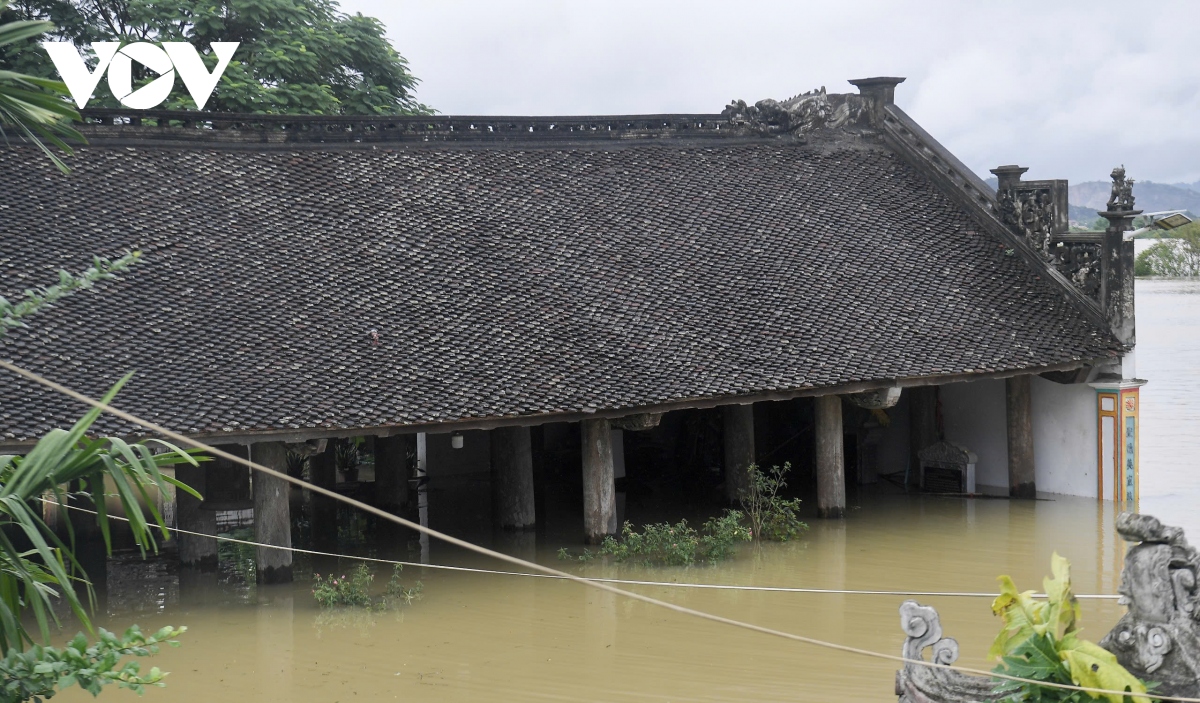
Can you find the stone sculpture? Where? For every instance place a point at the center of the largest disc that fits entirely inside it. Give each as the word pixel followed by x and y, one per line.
pixel 1157 640
pixel 1121 197
pixel 798 115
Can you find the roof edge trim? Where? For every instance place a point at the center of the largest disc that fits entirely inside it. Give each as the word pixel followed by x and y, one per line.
pixel 928 155
pixel 301 435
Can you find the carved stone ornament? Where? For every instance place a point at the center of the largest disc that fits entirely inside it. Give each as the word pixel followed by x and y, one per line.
pixel 1080 263
pixel 309 447
pixel 1121 197
pixel 799 115
pixel 641 421
pixel 876 399
pixel 948 454
pixel 924 684
pixel 1157 640
pixel 1029 213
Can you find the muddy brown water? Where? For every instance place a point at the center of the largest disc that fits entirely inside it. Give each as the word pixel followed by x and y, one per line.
pixel 476 637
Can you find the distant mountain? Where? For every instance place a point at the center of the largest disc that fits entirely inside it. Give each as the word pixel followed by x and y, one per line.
pixel 1149 196
pixel 1089 197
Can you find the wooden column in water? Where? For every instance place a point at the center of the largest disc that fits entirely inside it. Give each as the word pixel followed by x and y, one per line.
pixel 272 515
pixel 513 506
pixel 391 470
pixel 738 421
pixel 831 464
pixel 922 427
pixel 1019 405
pixel 200 552
pixel 322 471
pixel 599 490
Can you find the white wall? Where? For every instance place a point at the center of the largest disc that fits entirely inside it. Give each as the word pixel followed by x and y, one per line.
pixel 893 444
pixel 973 414
pixel 1064 433
pixel 1064 437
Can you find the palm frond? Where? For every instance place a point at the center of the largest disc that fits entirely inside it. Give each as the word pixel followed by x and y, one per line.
pixel 31 580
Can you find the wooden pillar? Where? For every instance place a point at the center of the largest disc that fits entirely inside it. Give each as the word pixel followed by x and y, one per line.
pixel 922 427
pixel 199 552
pixel 831 464
pixel 272 516
pixel 1019 404
pixel 322 472
pixel 391 470
pixel 599 490
pixel 513 506
pixel 738 421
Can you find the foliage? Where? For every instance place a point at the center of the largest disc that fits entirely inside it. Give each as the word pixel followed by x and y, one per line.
pixel 33 105
pixel 28 580
pixel 355 590
pixel 1176 256
pixel 296 464
pixel 11 314
pixel 296 56
pixel 772 517
pixel 40 672
pixel 1040 641
pixel 347 455
pixel 672 545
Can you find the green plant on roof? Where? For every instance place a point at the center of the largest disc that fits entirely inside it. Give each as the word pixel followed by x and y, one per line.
pixel 1040 641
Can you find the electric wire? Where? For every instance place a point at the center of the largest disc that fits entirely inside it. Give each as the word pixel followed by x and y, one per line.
pixel 516 561
pixel 626 582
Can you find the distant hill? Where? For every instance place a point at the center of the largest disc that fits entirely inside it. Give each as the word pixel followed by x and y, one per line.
pixel 1089 197
pixel 1149 196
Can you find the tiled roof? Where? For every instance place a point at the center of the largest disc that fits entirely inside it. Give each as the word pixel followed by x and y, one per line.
pixel 341 288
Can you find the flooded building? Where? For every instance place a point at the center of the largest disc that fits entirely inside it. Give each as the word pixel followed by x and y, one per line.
pixel 580 301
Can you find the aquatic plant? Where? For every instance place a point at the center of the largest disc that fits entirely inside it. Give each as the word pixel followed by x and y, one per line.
pixel 355 590
pixel 666 544
pixel 1039 641
pixel 771 516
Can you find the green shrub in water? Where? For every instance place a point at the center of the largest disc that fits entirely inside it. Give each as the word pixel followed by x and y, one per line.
pixel 772 517
pixel 355 590
pixel 680 544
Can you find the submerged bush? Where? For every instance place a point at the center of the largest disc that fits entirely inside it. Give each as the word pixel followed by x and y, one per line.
pixel 680 544
pixel 355 590
pixel 772 517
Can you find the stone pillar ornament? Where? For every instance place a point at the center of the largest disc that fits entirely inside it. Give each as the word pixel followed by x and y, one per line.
pixel 1116 288
pixel 1157 640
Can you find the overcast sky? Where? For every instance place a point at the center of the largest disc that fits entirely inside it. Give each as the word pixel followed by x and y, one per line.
pixel 1069 89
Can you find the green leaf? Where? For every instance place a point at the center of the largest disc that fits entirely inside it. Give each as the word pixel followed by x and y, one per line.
pixel 1095 667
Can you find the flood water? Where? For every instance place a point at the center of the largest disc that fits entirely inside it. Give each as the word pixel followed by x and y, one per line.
pixel 476 637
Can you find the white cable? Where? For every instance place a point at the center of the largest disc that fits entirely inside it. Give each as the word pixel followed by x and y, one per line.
pixel 628 582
